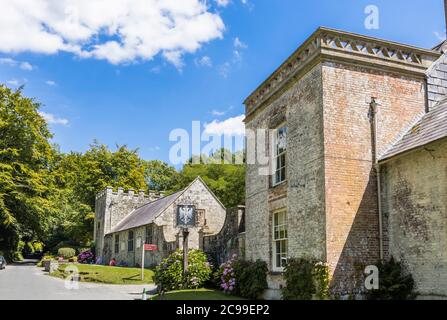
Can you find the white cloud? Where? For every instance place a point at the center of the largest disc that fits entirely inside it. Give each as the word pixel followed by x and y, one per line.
pixel 223 3
pixel 50 82
pixel 13 82
pixel 119 31
pixel 13 63
pixel 205 61
pixel 230 127
pixel 52 119
pixel 224 69
pixel 218 113
pixel 237 43
pixel 26 66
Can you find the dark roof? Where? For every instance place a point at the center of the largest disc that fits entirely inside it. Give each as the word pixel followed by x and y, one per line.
pixel 145 214
pixel 431 127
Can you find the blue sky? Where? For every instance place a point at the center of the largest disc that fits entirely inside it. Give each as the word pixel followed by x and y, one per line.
pixel 137 97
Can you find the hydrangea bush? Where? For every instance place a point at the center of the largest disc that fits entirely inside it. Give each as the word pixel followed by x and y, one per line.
pixel 169 273
pixel 86 257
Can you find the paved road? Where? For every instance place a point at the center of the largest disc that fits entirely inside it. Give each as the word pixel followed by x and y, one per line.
pixel 27 282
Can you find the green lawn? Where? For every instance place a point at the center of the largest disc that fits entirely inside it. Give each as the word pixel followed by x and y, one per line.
pixel 199 294
pixel 105 274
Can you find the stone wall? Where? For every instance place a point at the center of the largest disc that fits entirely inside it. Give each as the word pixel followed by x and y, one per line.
pixel 230 240
pixel 300 105
pixel 350 184
pixel 415 202
pixel 437 79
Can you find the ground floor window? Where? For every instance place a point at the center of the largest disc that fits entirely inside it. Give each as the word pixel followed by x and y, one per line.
pixel 117 243
pixel 149 235
pixel 279 240
pixel 130 238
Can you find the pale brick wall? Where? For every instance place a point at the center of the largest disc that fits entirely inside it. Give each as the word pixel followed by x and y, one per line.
pixel 415 200
pixel 350 185
pixel 303 193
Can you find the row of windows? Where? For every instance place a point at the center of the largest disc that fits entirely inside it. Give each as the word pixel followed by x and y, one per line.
pixel 130 240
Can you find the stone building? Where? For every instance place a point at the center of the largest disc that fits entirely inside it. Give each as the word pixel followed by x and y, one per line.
pixel 125 221
pixel 341 109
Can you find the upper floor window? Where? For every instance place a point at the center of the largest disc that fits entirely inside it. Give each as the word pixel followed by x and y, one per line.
pixel 117 243
pixel 279 155
pixel 130 238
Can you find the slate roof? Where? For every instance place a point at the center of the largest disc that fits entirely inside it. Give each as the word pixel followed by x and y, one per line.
pixel 145 214
pixel 431 127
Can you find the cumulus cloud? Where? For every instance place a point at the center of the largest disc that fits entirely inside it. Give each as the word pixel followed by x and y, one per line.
pixel 24 65
pixel 229 127
pixel 204 61
pixel 50 82
pixel 239 44
pixel 52 119
pixel 223 3
pixel 119 31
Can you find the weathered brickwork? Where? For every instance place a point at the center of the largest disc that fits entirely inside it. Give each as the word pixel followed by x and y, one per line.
pixel 303 193
pixel 415 202
pixel 350 184
pixel 324 96
pixel 115 207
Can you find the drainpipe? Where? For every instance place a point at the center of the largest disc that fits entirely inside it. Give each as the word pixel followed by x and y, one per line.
pixel 374 128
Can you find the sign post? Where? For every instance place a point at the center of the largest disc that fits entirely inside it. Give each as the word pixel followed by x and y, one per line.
pixel 186 218
pixel 146 247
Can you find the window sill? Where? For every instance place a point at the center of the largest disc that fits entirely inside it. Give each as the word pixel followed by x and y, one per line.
pixel 273 186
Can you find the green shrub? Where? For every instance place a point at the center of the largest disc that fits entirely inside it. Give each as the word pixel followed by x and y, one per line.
pixel 251 278
pixel 305 280
pixel 169 273
pixel 66 253
pixel 394 283
pixel 246 279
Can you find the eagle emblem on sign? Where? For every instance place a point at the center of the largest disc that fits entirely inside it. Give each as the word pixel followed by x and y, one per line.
pixel 186 215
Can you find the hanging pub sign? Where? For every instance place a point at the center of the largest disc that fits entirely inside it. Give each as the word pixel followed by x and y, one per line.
pixel 186 216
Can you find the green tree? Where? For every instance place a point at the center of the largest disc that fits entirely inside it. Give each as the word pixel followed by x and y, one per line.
pixel 227 181
pixel 160 176
pixel 25 157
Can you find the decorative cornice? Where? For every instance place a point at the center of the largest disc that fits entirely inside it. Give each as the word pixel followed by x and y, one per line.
pixel 334 45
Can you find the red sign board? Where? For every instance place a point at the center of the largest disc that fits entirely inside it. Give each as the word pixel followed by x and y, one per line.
pixel 150 247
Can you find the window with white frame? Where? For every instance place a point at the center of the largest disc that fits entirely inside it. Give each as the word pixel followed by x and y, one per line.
pixel 279 155
pixel 279 240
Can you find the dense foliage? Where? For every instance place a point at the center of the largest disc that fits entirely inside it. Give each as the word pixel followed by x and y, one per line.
pixel 169 273
pixel 394 283
pixel 48 197
pixel 305 280
pixel 246 279
pixel 66 253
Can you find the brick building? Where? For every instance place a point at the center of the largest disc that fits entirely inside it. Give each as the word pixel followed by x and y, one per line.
pixel 358 161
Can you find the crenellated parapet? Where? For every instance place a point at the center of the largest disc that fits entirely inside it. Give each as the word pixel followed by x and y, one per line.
pixel 337 46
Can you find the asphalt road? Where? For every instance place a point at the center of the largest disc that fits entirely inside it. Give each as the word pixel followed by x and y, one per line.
pixel 27 282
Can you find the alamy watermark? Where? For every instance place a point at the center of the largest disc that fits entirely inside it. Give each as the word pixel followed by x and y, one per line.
pixel 372 20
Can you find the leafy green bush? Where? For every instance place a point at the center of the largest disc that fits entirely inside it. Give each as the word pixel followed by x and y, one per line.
pixel 66 253
pixel 251 278
pixel 305 280
pixel 169 273
pixel 394 283
pixel 246 279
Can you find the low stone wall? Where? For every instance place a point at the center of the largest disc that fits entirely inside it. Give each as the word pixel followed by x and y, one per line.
pixel 230 240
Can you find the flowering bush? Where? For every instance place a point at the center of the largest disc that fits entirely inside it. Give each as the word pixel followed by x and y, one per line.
pixel 169 273
pixel 228 280
pixel 86 257
pixel 243 278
